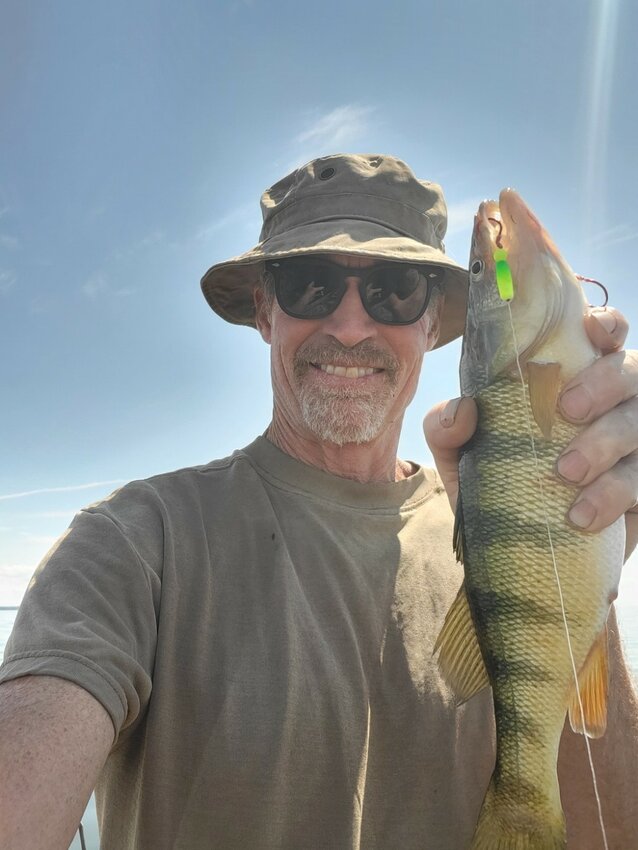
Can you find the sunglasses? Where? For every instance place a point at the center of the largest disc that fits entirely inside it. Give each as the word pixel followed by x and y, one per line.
pixel 391 293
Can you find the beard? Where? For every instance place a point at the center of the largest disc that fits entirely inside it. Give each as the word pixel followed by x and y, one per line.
pixel 353 414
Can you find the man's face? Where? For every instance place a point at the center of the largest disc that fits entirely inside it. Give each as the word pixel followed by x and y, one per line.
pixel 344 378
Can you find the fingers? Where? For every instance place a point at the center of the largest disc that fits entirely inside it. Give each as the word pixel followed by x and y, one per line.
pixel 597 389
pixel 607 328
pixel 447 427
pixel 608 497
pixel 597 448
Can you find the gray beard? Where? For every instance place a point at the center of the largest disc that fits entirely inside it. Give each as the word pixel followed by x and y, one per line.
pixel 345 415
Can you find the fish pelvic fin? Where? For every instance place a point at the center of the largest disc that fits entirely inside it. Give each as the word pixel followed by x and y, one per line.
pixel 543 381
pixel 593 684
pixel 505 825
pixel 460 659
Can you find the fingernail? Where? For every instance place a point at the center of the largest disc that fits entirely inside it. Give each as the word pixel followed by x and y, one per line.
pixel 582 514
pixel 448 414
pixel 572 466
pixel 605 319
pixel 576 402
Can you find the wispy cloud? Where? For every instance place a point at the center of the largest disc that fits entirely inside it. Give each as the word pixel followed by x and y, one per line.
pixel 460 215
pixel 8 241
pixel 331 131
pixel 97 285
pixel 7 281
pixel 614 236
pixel 340 126
pixel 14 579
pixel 244 214
pixel 70 488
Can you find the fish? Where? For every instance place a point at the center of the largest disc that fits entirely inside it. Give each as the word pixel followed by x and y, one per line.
pixel 506 628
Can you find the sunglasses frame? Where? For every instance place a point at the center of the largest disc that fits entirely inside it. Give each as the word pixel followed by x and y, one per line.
pixel 364 274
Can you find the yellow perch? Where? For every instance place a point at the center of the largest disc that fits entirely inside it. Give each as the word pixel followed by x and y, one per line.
pixel 506 627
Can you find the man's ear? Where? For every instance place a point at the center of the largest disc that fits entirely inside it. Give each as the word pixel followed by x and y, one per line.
pixel 434 314
pixel 263 310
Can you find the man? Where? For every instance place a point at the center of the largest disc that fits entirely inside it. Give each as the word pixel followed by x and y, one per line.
pixel 240 654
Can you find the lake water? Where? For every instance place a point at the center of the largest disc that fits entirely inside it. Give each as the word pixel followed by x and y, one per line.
pixel 627 615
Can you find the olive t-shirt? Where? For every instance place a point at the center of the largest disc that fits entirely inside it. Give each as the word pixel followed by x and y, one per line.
pixel 261 634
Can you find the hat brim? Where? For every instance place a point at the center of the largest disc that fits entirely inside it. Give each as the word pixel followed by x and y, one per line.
pixel 228 286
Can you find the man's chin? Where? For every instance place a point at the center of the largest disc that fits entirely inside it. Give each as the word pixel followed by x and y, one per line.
pixel 345 422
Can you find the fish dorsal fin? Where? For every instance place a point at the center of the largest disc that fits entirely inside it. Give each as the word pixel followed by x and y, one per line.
pixel 593 684
pixel 543 380
pixel 460 660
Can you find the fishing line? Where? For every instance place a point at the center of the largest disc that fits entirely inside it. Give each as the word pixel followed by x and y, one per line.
pixel 556 574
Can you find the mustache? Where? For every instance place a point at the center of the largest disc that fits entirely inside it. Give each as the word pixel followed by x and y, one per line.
pixel 365 353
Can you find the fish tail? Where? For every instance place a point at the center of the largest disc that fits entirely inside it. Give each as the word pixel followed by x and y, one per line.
pixel 510 826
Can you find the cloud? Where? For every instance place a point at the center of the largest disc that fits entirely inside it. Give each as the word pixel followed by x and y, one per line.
pixel 460 216
pixel 614 236
pixel 244 214
pixel 97 285
pixel 330 131
pixel 8 241
pixel 68 489
pixel 7 281
pixel 14 579
pixel 338 127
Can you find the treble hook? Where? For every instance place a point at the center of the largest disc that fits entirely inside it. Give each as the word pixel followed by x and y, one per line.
pixel 598 283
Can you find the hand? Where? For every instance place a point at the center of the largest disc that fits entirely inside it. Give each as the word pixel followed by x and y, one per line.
pixel 603 458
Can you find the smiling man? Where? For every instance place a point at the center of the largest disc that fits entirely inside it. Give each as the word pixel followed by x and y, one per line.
pixel 240 655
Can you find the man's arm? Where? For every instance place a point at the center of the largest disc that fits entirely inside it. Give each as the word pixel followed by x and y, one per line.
pixel 54 739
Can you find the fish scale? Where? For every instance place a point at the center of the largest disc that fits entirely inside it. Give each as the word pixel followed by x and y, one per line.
pixel 526 656
pixel 506 627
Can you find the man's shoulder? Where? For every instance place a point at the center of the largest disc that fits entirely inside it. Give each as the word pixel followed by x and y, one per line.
pixel 175 491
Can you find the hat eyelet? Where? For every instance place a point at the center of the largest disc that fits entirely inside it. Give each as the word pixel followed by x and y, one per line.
pixel 327 173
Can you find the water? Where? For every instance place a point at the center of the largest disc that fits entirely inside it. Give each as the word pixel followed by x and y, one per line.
pixel 627 616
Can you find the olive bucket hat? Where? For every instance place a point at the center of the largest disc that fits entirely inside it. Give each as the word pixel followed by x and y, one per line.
pixel 361 204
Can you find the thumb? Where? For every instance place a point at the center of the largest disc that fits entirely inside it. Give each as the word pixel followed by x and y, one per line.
pixel 447 427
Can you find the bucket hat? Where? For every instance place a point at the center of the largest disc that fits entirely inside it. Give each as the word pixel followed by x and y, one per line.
pixel 365 204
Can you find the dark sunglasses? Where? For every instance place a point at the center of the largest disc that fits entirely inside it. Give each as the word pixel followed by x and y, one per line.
pixel 392 293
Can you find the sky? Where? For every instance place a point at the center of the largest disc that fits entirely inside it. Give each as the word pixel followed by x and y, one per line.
pixel 135 141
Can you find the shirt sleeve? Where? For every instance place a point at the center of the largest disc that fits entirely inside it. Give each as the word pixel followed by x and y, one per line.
pixel 91 610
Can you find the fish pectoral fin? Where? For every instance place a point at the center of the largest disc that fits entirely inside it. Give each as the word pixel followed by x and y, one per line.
pixel 458 535
pixel 593 685
pixel 543 380
pixel 460 660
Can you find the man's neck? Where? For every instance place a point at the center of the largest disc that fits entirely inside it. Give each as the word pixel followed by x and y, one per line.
pixel 365 462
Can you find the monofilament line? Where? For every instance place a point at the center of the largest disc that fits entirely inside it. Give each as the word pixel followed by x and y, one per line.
pixel 557 576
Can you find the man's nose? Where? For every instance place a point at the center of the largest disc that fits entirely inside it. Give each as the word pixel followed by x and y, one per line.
pixel 350 324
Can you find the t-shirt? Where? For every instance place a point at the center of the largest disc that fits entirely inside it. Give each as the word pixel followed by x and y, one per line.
pixel 261 633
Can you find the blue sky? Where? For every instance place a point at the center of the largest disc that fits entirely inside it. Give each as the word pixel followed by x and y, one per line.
pixel 135 141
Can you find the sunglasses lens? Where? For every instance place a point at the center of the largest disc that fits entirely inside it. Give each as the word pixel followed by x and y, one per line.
pixel 307 291
pixel 394 294
pixel 398 295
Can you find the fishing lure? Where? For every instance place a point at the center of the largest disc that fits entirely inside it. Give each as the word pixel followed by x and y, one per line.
pixel 504 280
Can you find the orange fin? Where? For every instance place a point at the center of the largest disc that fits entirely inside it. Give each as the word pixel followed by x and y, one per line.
pixel 460 660
pixel 593 684
pixel 543 380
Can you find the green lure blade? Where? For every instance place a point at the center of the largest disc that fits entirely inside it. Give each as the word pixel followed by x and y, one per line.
pixel 503 275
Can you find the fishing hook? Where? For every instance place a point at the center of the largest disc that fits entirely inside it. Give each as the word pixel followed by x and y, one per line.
pixel 499 244
pixel 598 283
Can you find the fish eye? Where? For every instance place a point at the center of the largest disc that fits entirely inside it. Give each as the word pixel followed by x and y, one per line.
pixel 476 269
